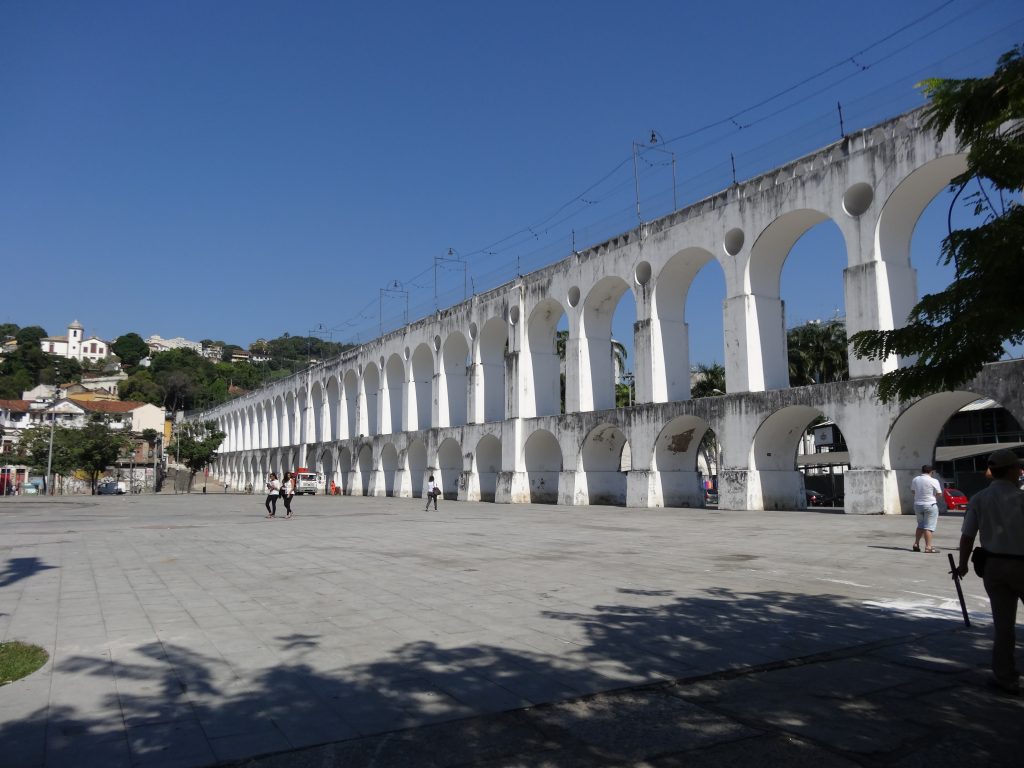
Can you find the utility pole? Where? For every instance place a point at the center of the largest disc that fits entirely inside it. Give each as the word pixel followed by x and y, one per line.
pixel 49 457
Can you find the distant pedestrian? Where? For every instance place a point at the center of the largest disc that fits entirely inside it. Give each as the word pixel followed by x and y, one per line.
pixel 926 507
pixel 273 492
pixel 287 491
pixel 997 513
pixel 432 493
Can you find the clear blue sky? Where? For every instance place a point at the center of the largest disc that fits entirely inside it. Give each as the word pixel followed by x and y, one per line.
pixel 236 170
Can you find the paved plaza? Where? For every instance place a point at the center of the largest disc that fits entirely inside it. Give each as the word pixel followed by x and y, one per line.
pixel 187 630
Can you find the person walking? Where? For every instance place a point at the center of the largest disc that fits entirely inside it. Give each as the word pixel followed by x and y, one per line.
pixel 273 492
pixel 997 513
pixel 926 507
pixel 287 491
pixel 432 493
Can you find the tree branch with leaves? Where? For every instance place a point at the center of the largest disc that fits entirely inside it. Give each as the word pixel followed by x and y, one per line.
pixel 953 333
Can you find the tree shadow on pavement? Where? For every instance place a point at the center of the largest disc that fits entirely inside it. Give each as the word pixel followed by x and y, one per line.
pixel 188 706
pixel 18 568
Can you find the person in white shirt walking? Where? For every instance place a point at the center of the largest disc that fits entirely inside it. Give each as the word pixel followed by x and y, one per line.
pixel 432 493
pixel 273 492
pixel 926 507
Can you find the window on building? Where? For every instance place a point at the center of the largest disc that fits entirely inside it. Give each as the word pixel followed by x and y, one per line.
pixel 51 346
pixel 93 347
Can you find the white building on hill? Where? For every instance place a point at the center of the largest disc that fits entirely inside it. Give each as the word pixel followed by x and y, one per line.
pixel 75 346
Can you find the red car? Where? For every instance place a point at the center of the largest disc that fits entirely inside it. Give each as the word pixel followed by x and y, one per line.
pixel 955 499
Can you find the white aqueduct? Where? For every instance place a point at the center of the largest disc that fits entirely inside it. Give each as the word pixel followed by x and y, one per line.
pixel 471 394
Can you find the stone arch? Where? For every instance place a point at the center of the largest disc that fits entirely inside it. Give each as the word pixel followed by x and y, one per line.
pixel 600 479
pixel 368 420
pixel 280 424
pixel 453 383
pixel 670 335
pixel 676 461
pixel 416 459
pixel 364 467
pixel 332 430
pixel 345 471
pixel 901 210
pixel 449 465
pixel 291 436
pixel 542 458
pixel 912 440
pixel 258 427
pixel 395 378
pixel 493 340
pixel 351 404
pixel 389 468
pixel 422 384
pixel 897 219
pixel 766 352
pixel 488 464
pixel 544 360
pixel 773 457
pixel 330 475
pixel 596 387
pixel 316 396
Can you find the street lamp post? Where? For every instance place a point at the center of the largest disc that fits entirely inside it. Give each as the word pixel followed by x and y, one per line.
pixel 49 457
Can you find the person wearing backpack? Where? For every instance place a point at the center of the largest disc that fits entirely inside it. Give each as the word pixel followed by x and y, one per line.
pixel 432 493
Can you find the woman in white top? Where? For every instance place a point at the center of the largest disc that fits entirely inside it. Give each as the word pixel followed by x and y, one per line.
pixel 432 493
pixel 287 491
pixel 273 491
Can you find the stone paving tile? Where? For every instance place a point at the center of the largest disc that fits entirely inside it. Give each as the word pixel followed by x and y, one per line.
pixel 169 745
pixel 387 619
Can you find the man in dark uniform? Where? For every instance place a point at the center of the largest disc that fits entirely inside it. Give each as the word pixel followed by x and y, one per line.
pixel 997 513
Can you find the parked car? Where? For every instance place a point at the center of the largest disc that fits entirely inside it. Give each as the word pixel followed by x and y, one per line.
pixel 815 499
pixel 956 500
pixel 710 497
pixel 111 488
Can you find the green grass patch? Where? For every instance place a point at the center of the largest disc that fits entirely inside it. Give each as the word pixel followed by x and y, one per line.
pixel 18 660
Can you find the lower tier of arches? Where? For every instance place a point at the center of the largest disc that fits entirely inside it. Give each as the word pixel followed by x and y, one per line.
pixel 657 455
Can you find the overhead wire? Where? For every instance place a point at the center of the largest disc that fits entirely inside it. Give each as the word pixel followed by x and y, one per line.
pixel 559 216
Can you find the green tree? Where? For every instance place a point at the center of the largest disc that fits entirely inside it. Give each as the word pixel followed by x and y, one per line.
pixel 8 331
pixel 31 336
pixel 953 333
pixel 99 447
pixel 34 446
pixel 709 380
pixel 195 444
pixel 141 388
pixel 817 353
pixel 131 349
pixel 14 381
pixel 62 370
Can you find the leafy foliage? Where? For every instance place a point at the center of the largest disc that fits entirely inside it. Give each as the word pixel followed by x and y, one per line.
pixel 98 447
pixel 709 380
pixel 130 348
pixel 195 444
pixel 35 449
pixel 91 449
pixel 817 353
pixel 954 332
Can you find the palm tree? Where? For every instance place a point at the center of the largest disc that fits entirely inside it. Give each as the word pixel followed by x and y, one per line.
pixel 709 380
pixel 817 353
